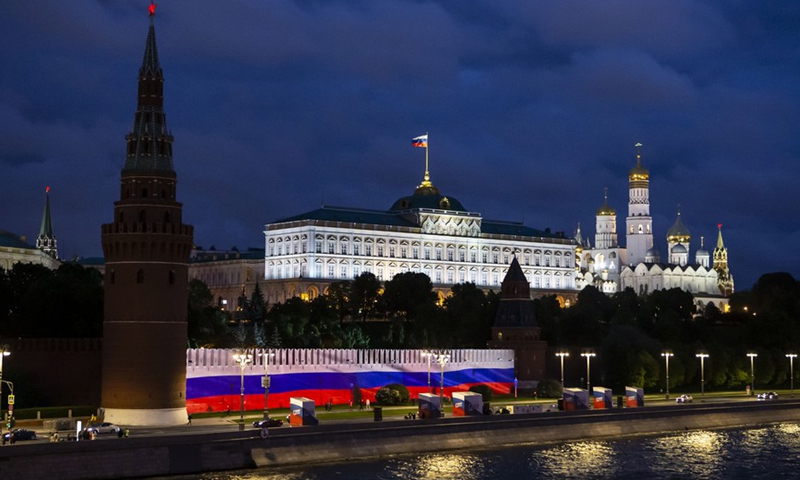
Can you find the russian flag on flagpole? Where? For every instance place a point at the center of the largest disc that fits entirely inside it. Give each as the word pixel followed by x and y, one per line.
pixel 421 141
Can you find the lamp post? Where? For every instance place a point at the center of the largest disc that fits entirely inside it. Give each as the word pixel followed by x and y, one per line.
pixel 3 353
pixel 265 382
pixel 428 354
pixel 442 359
pixel 561 355
pixel 666 354
pixel 752 373
pixel 791 357
pixel 702 357
pixel 243 360
pixel 588 356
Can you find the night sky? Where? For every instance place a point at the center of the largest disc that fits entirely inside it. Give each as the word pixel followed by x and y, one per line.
pixel 279 107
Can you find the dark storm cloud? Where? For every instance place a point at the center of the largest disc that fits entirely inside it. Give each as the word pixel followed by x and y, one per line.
pixel 532 108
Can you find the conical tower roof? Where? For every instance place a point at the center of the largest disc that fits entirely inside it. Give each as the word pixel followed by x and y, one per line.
pixel 606 209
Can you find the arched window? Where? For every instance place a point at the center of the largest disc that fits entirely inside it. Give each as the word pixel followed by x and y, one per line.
pixel 113 277
pixel 172 277
pixel 140 276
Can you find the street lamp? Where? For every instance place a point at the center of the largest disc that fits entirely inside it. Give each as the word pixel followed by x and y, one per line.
pixel 588 356
pixel 243 360
pixel 561 355
pixel 666 354
pixel 3 353
pixel 791 357
pixel 702 357
pixel 442 359
pixel 428 354
pixel 265 382
pixel 752 373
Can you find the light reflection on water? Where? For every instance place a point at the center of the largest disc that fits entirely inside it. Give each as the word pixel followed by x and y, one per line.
pixel 769 452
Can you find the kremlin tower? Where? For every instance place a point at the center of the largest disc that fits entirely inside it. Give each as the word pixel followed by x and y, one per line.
pixel 146 248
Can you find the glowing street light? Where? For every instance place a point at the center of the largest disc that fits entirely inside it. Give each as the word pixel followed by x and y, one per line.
pixel 588 356
pixel 3 353
pixel 666 354
pixel 702 357
pixel 752 373
pixel 791 357
pixel 243 360
pixel 429 355
pixel 442 359
pixel 561 355
pixel 265 382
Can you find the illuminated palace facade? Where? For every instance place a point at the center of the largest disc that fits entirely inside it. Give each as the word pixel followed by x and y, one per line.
pixel 425 232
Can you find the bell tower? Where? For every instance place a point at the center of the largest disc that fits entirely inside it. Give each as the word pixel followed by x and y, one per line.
pixel 146 249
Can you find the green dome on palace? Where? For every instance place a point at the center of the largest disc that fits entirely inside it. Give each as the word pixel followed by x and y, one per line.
pixel 427 196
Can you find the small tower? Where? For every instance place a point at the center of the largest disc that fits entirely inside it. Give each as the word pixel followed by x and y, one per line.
pixel 678 238
pixel 515 327
pixel 724 277
pixel 46 241
pixel 639 224
pixel 702 256
pixel 147 249
pixel 606 227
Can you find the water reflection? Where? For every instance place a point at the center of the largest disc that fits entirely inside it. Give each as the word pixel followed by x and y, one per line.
pixel 768 452
pixel 579 459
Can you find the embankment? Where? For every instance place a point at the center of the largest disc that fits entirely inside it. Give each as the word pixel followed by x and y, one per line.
pixel 181 454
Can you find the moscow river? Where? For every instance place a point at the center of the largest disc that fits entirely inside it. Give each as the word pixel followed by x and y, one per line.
pixel 767 452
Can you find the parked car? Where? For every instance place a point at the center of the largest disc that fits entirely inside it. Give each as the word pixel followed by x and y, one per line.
pixel 104 427
pixel 767 396
pixel 272 422
pixel 684 399
pixel 18 434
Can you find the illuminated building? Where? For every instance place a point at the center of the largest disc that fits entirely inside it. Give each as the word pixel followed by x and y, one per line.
pixel 15 248
pixel 425 232
pixel 612 268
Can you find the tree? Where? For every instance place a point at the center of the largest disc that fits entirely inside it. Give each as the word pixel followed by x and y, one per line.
pixel 409 295
pixel 364 295
pixel 467 320
pixel 256 306
pixel 339 298
pixel 207 324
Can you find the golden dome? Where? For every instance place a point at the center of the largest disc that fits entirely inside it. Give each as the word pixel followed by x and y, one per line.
pixel 606 209
pixel 638 173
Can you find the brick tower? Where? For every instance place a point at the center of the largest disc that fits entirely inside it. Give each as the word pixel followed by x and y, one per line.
pixel 146 279
pixel 515 328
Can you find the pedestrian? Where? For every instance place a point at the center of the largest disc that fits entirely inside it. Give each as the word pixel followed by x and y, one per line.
pixel 361 404
pixel 190 418
pixel 351 405
pixel 368 404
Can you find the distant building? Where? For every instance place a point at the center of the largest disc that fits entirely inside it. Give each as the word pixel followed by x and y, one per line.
pixel 231 275
pixel 15 248
pixel 613 268
pixel 425 232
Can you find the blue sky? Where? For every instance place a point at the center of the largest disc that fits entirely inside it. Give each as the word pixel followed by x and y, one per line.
pixel 532 107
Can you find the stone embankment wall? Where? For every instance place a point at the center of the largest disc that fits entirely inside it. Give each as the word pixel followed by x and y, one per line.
pixel 169 455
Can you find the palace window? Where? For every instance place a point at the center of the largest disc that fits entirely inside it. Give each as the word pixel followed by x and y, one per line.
pixel 380 250
pixel 368 248
pixel 318 246
pixel 356 249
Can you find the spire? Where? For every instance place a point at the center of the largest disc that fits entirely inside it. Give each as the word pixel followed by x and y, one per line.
pixel 578 236
pixel 46 241
pixel 720 243
pixel 638 176
pixel 149 141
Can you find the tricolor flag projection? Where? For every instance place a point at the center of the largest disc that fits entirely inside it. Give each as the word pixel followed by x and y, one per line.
pixel 421 141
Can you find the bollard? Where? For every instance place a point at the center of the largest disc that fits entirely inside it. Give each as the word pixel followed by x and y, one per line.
pixel 377 413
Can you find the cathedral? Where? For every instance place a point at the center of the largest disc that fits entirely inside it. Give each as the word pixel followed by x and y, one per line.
pixel 611 267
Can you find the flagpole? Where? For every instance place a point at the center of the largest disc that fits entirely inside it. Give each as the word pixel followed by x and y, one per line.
pixel 427 145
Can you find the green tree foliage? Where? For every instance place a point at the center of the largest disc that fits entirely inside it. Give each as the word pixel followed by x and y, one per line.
pixel 207 324
pixel 549 388
pixel 38 302
pixel 387 396
pixel 338 297
pixel 401 390
pixel 364 295
pixel 468 318
pixel 256 305
pixel 410 296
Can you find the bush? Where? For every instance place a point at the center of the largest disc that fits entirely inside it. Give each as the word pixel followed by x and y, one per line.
pixel 387 396
pixel 549 388
pixel 484 390
pixel 401 389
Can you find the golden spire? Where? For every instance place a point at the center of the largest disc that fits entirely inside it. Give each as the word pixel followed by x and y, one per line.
pixel 639 173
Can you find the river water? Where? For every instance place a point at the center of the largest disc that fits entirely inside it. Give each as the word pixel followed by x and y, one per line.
pixel 768 452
